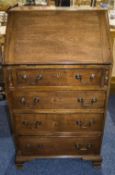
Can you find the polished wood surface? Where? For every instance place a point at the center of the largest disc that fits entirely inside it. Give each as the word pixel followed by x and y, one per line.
pixel 49 124
pixel 58 76
pixel 57 80
pixel 43 37
pixel 57 99
pixel 51 145
pixel 63 77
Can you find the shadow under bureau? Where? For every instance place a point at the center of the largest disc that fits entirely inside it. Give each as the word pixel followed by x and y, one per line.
pixel 57 70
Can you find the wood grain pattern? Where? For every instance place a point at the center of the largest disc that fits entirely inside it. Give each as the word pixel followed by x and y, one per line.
pixel 58 146
pixel 59 77
pixel 43 37
pixel 42 124
pixel 28 99
pixel 57 72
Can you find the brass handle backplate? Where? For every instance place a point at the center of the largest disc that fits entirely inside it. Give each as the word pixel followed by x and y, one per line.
pixel 39 77
pixel 83 147
pixel 78 77
pixel 86 124
pixel 34 124
pixel 83 102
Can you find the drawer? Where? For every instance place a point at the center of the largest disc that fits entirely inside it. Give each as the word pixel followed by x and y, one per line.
pixel 49 146
pixel 29 99
pixel 36 124
pixel 58 77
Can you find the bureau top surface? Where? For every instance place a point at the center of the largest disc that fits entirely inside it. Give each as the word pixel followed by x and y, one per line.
pixel 57 36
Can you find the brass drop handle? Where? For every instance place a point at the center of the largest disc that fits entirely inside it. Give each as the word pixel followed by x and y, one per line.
pixel 39 77
pixel 36 100
pixel 80 100
pixel 92 76
pixel 93 100
pixel 23 100
pixel 91 122
pixel 37 124
pixel 86 147
pixel 79 123
pixel 24 77
pixel 78 77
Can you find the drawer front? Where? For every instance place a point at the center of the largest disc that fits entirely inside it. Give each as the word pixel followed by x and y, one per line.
pixel 60 77
pixel 49 146
pixel 29 99
pixel 36 124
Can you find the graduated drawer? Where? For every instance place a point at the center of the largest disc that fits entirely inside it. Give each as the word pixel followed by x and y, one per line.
pixel 49 146
pixel 33 99
pixel 36 124
pixel 97 77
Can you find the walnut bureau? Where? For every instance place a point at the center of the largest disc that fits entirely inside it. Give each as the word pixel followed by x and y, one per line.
pixel 57 70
